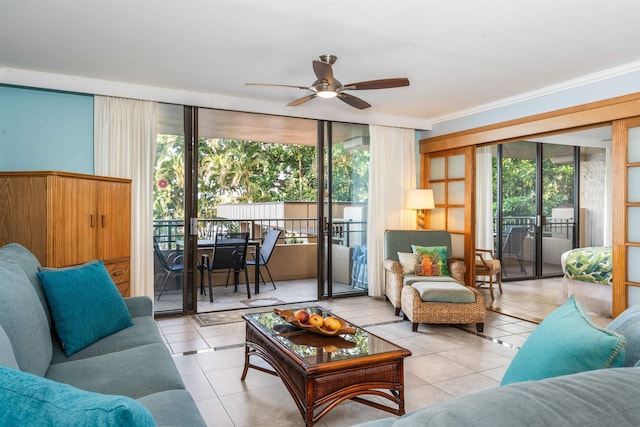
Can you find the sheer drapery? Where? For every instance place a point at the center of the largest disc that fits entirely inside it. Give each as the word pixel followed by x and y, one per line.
pixel 124 147
pixel 484 198
pixel 392 171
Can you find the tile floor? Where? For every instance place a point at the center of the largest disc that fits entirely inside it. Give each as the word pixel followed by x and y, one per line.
pixel 446 361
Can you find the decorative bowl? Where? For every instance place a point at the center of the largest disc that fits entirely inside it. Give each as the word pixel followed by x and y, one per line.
pixel 288 315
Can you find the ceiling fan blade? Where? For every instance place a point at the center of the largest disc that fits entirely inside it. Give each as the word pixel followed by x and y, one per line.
pixel 354 101
pixel 378 84
pixel 301 100
pixel 277 85
pixel 323 71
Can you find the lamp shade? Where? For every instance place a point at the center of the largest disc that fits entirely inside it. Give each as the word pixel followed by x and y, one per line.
pixel 420 199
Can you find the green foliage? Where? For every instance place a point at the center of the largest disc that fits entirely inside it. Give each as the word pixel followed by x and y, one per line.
pixel 519 186
pixel 350 174
pixel 168 201
pixel 234 171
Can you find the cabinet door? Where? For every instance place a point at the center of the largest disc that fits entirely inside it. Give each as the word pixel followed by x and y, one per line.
pixel 74 221
pixel 114 222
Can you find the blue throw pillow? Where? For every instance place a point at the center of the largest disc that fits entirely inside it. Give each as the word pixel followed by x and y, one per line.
pixel 85 304
pixel 566 342
pixel 30 400
pixel 627 324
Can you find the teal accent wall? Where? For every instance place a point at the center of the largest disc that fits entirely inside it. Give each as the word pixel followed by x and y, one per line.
pixel 45 130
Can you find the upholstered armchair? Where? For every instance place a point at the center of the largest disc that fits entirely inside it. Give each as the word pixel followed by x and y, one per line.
pixel 400 241
pixel 416 284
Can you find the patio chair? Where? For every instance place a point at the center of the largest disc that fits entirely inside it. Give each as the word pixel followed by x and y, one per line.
pixel 266 250
pixel 359 273
pixel 229 253
pixel 513 246
pixel 173 263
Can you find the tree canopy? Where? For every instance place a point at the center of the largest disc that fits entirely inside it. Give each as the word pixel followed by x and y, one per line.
pixel 519 186
pixel 237 171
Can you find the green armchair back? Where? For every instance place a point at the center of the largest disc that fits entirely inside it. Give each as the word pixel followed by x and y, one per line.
pixel 401 240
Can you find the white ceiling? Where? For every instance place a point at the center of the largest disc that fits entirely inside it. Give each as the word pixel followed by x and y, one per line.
pixel 459 55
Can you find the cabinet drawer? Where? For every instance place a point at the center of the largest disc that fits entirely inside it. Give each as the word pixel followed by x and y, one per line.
pixel 123 288
pixel 119 271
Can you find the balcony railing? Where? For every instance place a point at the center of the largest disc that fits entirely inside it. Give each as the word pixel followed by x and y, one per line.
pixel 295 230
pixel 553 227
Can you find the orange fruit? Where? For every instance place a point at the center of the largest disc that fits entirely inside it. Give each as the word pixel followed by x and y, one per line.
pixel 316 320
pixel 332 323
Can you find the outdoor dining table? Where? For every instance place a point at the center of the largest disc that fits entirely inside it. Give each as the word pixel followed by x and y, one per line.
pixel 204 244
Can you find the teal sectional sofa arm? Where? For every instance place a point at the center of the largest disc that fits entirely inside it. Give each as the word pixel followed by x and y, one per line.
pixel 124 375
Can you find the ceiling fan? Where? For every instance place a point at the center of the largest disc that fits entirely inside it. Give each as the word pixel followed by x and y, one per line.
pixel 326 86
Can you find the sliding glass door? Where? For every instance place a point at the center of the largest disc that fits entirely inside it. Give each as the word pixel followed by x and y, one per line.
pixel 344 208
pixel 169 210
pixel 219 171
pixel 536 212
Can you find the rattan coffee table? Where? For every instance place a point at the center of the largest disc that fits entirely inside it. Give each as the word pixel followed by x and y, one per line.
pixel 321 371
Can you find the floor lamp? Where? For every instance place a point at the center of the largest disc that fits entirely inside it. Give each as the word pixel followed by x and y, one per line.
pixel 420 200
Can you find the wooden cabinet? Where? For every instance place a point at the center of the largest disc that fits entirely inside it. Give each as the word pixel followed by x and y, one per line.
pixel 67 219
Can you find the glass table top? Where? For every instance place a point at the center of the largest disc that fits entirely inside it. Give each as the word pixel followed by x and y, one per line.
pixel 314 348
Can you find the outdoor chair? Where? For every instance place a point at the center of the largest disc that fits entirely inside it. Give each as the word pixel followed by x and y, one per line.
pixel 229 253
pixel 266 250
pixel 173 263
pixel 513 246
pixel 359 272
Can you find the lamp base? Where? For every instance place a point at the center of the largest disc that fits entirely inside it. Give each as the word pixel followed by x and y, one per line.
pixel 420 225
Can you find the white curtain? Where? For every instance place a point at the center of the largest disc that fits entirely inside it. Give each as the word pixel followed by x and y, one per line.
pixel 124 147
pixel 484 198
pixel 392 171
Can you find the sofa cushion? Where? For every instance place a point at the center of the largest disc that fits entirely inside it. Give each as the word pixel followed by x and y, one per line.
pixel 412 278
pixel 7 358
pixel 85 304
pixel 163 406
pixel 144 331
pixel 602 398
pixel 27 261
pixel 430 260
pixel 444 291
pixel 27 399
pixel 566 342
pixel 135 372
pixel 24 320
pixel 627 324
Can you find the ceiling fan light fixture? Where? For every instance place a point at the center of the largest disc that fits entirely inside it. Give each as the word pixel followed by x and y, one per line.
pixel 327 94
pixel 327 86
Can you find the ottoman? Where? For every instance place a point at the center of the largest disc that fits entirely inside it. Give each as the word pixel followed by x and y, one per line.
pixel 443 302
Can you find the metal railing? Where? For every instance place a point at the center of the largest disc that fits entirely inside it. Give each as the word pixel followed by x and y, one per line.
pixel 295 230
pixel 555 226
pixel 553 229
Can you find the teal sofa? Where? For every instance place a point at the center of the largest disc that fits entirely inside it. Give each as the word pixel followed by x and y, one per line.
pixel 133 363
pixel 569 372
pixel 600 398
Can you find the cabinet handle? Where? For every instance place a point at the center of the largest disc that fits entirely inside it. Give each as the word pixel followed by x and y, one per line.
pixel 117 273
pixel 104 221
pixel 93 223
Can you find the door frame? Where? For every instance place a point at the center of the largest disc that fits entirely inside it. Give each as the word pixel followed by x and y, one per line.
pixel 584 116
